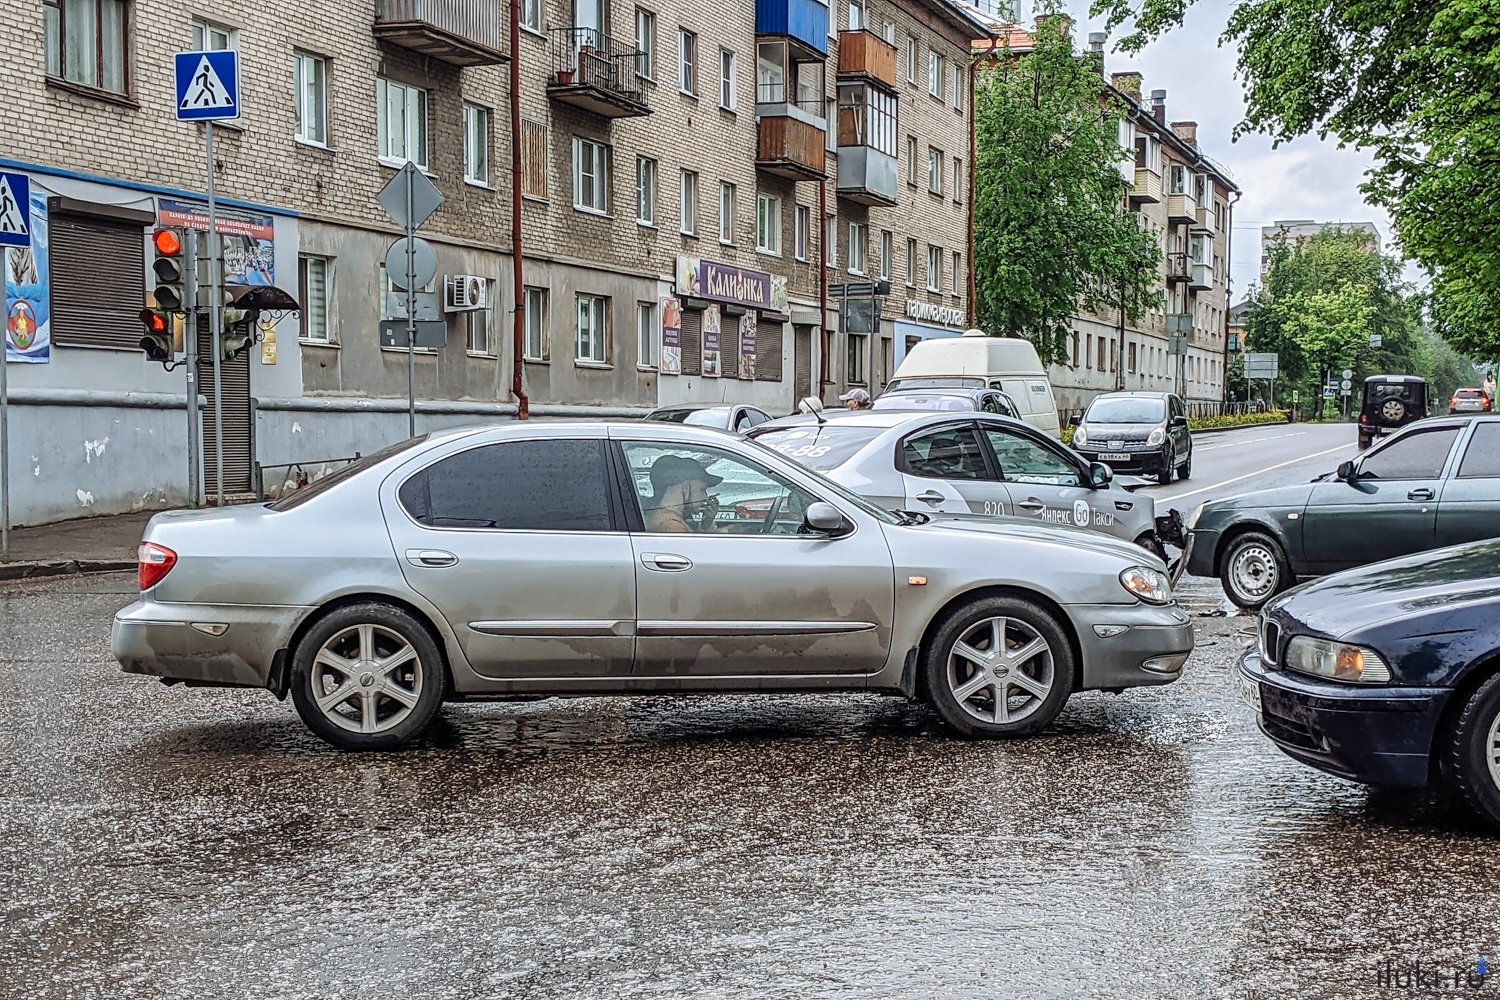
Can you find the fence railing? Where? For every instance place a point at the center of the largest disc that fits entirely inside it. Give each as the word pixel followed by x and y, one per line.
pixel 588 57
pixel 478 22
pixel 272 482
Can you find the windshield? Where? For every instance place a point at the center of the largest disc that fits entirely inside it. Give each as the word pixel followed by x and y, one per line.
pixel 320 486
pixel 1126 410
pixel 837 489
pixel 714 416
pixel 914 401
pixel 818 446
pixel 945 382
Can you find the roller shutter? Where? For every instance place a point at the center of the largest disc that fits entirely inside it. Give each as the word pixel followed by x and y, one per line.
pixel 692 342
pixel 238 447
pixel 98 281
pixel 768 367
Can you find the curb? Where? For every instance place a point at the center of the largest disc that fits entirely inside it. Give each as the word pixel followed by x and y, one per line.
pixel 67 567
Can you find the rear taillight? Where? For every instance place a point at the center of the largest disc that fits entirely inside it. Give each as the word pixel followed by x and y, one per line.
pixel 153 563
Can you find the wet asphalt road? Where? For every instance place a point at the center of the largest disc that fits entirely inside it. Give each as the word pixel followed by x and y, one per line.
pixel 164 843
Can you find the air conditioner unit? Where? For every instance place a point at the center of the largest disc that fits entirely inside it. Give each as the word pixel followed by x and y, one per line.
pixel 465 292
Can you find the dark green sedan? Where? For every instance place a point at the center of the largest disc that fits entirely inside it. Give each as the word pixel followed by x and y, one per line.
pixel 1433 484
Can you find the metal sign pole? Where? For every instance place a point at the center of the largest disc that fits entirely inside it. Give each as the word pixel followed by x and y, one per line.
pixel 190 346
pixel 411 320
pixel 4 411
pixel 215 321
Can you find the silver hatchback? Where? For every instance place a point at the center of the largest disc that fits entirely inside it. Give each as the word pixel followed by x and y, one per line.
pixel 588 558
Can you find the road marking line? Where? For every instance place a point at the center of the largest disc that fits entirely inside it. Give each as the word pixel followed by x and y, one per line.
pixel 1251 475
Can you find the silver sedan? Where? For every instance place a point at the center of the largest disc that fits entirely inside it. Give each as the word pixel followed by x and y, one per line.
pixel 584 559
pixel 963 463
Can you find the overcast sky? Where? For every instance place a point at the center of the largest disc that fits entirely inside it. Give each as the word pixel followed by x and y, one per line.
pixel 1306 179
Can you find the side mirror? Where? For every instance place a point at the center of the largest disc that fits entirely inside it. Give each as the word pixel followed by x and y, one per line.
pixel 1100 475
pixel 812 404
pixel 823 518
pixel 1348 472
pixel 1179 421
pixel 1075 420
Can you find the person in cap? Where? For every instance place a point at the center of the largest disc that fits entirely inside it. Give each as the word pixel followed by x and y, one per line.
pixel 680 500
pixel 856 399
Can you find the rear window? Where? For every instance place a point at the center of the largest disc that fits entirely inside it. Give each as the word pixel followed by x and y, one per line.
pixel 913 401
pixel 1126 410
pixel 944 382
pixel 299 497
pixel 717 416
pixel 818 446
pixel 1467 394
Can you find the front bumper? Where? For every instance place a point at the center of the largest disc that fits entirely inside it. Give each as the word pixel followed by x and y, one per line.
pixel 1198 554
pixel 1139 463
pixel 174 641
pixel 1131 645
pixel 1375 735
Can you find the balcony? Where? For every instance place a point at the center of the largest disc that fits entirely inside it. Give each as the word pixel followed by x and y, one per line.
pixel 594 72
pixel 1146 190
pixel 864 55
pixel 867 175
pixel 1202 277
pixel 1202 221
pixel 804 23
pixel 1179 268
pixel 793 137
pixel 459 32
pixel 1181 208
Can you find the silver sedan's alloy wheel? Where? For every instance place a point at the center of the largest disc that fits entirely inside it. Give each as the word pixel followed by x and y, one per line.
pixel 1000 670
pixel 1492 750
pixel 367 679
pixel 1254 572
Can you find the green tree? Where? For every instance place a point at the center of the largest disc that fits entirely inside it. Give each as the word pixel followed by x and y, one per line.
pixel 1051 234
pixel 1415 83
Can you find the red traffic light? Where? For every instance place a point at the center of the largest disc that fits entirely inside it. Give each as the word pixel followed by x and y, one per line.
pixel 155 322
pixel 168 242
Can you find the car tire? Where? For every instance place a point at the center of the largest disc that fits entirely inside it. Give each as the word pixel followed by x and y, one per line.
pixel 1165 475
pixel 1254 570
pixel 1393 411
pixel 388 666
pixel 977 693
pixel 1468 765
pixel 1152 544
pixel 1185 470
pixel 1364 442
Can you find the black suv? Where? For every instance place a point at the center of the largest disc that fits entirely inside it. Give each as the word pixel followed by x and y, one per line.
pixel 1390 403
pixel 1136 433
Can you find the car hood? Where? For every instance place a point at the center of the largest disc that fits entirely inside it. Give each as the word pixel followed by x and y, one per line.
pixel 1294 497
pixel 1033 531
pixel 1381 592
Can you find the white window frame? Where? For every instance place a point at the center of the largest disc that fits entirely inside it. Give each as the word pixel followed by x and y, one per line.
pixel 309 310
pixel 935 71
pixel 645 44
pixel 728 208
pixel 687 189
pixel 729 95
pixel 312 107
pixel 647 335
pixel 859 246
pixel 934 268
pixel 911 262
pixel 887 248
pixel 802 232
pixel 596 309
pixel 477 144
pixel 645 191
pixel 888 33
pixel 484 318
pixel 958 88
pixel 858 16
pixel 534 346
pixel 911 59
pixel 204 31
pixel 597 155
pixel 958 180
pixel 957 264
pixel 531 15
pixel 911 160
pixel 413 126
pixel 767 224
pixel 831 241
pixel 934 171
pixel 687 62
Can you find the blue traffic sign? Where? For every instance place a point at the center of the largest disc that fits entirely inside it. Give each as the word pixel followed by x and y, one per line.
pixel 15 210
pixel 208 85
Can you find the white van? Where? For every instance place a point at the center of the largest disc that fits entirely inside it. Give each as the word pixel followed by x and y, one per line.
pixel 1009 364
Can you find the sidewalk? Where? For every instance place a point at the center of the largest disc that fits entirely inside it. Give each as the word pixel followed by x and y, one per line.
pixel 88 545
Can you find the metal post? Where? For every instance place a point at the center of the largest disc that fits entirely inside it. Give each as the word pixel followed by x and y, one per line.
pixel 411 323
pixel 190 346
pixel 4 411
pixel 215 319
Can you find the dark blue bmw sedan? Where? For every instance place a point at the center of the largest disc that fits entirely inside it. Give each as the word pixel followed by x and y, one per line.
pixel 1389 674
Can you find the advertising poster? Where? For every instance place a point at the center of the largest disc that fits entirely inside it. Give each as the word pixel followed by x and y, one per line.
pixel 249 239
pixel 711 342
pixel 671 337
pixel 28 312
pixel 748 324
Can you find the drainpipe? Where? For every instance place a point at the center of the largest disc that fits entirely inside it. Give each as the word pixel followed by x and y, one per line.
pixel 974 171
pixel 824 342
pixel 518 280
pixel 1228 292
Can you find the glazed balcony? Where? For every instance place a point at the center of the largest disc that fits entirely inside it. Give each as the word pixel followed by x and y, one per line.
pixel 458 32
pixel 864 55
pixel 593 71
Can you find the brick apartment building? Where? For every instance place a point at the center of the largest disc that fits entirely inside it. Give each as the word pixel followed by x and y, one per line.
pixel 687 171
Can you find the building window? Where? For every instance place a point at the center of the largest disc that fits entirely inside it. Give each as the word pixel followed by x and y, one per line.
pixel 689 190
pixel 831 241
pixel 830 134
pixel 911 58
pixel 645 191
pixel 593 329
pixel 531 15
pixel 590 176
pixel 888 32
pixel 911 160
pixel 534 159
pixel 476 144
pixel 477 323
pixel 726 212
pixel 958 179
pixel 958 88
pixel 768 223
pixel 687 62
pixel 88 42
pixel 911 263
pixel 935 171
pixel 801 232
pixel 645 44
pixel 935 74
pixel 311 73
pixel 208 37
pixel 886 246
pixel 1100 353
pixel 934 268
pixel 401 128
pixel 858 243
pixel 958 263
pixel 312 288
pixel 646 334
pixel 856 15
pixel 536 347
pixel 1130 357
pixel 728 93
pixel 854 361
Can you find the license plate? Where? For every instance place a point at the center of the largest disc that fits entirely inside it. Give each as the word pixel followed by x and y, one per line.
pixel 1250 693
pixel 1114 456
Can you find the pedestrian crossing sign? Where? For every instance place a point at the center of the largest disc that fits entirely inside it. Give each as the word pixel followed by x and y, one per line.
pixel 208 85
pixel 15 210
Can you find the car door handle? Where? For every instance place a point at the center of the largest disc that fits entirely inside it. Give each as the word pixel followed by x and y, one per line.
pixel 666 561
pixel 434 558
pixel 931 496
pixel 1422 494
pixel 1031 503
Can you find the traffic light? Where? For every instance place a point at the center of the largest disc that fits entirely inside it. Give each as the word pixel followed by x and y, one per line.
pixel 169 268
pixel 157 343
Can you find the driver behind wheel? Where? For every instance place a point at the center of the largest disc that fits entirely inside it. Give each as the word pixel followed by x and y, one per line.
pixel 680 500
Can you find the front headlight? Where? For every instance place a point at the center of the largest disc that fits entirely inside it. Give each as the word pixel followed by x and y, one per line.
pixel 1338 661
pixel 1080 436
pixel 1147 584
pixel 1157 437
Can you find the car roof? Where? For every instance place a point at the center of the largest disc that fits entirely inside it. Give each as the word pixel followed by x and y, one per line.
pixel 694 406
pixel 1394 378
pixel 968 392
pixel 885 420
pixel 1133 392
